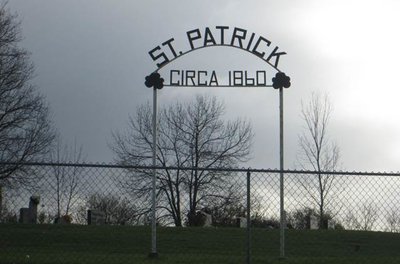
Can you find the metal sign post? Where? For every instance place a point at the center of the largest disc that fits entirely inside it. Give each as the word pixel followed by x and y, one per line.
pixel 281 81
pixel 153 196
pixel 154 80
pixel 281 179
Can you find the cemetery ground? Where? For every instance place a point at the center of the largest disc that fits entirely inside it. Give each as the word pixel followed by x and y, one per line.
pixel 45 244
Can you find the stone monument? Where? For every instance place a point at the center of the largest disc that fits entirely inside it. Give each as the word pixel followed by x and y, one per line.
pixel 313 222
pixel 29 215
pixel 95 217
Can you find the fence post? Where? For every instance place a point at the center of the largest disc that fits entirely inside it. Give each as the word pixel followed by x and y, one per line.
pixel 248 220
pixel 1 201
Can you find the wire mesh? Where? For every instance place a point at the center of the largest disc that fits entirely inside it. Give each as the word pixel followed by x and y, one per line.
pixel 80 213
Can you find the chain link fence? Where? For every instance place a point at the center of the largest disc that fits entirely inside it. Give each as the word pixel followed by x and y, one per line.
pixel 79 213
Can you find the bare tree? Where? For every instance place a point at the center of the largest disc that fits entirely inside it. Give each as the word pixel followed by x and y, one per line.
pixel 67 178
pixel 25 128
pixel 318 152
pixel 393 220
pixel 363 217
pixel 189 135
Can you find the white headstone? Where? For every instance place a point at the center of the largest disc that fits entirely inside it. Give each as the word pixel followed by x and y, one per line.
pixel 331 224
pixel 313 222
pixel 243 222
pixel 208 219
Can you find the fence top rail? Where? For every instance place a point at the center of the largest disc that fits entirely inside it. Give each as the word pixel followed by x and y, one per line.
pixel 149 167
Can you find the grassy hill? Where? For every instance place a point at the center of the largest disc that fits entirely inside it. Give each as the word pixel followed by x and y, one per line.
pixel 46 244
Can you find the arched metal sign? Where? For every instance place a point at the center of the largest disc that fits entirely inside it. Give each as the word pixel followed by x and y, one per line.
pixel 219 36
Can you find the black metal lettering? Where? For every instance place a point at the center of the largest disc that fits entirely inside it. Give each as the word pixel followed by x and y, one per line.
pixel 275 54
pixel 239 38
pixel 190 75
pixel 168 43
pixel 237 76
pixel 156 57
pixel 250 41
pixel 171 77
pixel 199 83
pixel 264 75
pixel 222 28
pixel 248 81
pixel 213 79
pixel 208 38
pixel 255 51
pixel 191 38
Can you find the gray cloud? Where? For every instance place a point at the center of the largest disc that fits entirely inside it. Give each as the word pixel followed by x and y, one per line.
pixel 92 56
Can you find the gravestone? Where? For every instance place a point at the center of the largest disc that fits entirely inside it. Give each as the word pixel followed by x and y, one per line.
pixel 242 222
pixel 29 215
pixel 313 222
pixel 207 219
pixel 24 215
pixel 63 220
pixel 95 217
pixel 331 224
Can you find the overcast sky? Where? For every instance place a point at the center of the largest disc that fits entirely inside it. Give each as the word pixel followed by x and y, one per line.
pixel 91 57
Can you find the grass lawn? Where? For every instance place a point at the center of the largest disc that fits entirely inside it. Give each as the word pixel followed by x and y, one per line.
pixel 44 244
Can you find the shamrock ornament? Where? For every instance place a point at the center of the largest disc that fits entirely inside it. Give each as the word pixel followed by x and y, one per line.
pixel 154 80
pixel 280 80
